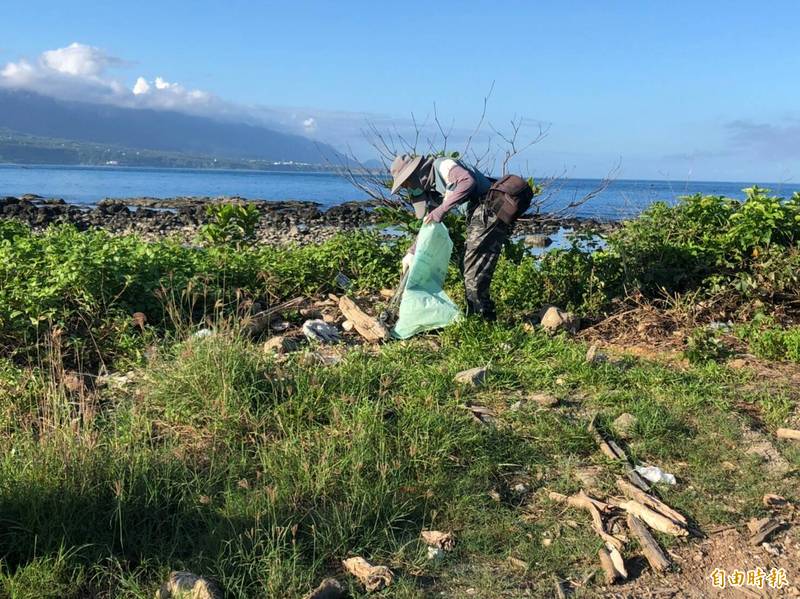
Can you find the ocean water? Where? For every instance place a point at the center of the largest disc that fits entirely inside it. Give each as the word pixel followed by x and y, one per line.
pixel 87 185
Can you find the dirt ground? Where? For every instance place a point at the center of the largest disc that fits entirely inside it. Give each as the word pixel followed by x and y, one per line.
pixel 728 553
pixel 724 563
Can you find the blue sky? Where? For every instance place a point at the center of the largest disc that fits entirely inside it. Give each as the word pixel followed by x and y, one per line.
pixel 681 90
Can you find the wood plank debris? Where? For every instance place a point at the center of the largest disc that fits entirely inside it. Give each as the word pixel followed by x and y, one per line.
pixel 368 327
pixel 611 573
pixel 653 519
pixel 762 529
pixel 595 507
pixel 652 502
pixel 256 323
pixel 652 552
pixel 615 452
pixel 374 578
pixel 788 433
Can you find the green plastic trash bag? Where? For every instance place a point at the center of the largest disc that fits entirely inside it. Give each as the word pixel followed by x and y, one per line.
pixel 425 305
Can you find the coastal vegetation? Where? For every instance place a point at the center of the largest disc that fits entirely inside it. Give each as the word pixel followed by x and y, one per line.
pixel 144 429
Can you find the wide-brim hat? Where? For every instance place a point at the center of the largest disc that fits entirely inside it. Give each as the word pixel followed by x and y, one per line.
pixel 402 168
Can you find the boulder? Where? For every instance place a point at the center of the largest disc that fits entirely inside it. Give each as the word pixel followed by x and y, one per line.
pixel 185 585
pixel 474 376
pixel 537 240
pixel 554 319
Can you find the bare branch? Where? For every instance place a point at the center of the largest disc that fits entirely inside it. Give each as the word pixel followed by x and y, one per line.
pixel 480 121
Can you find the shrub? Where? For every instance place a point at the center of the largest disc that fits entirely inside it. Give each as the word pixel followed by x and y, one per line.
pixel 231 223
pixel 703 346
pixel 89 283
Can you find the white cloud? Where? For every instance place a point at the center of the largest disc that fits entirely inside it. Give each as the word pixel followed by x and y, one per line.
pixel 81 72
pixel 79 60
pixel 141 87
pixel 162 84
pixel 85 73
pixel 17 70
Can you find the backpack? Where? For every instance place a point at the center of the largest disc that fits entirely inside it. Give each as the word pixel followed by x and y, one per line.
pixel 509 198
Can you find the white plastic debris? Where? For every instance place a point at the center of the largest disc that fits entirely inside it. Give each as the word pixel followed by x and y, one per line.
pixel 320 331
pixel 654 474
pixel 435 553
pixel 202 334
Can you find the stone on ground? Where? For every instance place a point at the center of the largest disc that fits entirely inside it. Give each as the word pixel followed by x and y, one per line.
pixel 280 345
pixel 330 588
pixel 554 319
pixel 474 376
pixel 185 585
pixel 594 356
pixel 625 425
pixel 546 400
pixel 537 240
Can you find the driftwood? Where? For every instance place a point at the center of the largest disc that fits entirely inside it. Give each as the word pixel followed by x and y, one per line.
pixel 256 323
pixel 655 556
pixel 613 451
pixel 653 503
pixel 330 588
pixel 762 529
pixel 441 540
pixel 652 518
pixel 369 328
pixel 518 563
pixel 611 573
pixel 559 588
pixel 788 433
pixel 582 501
pixel 774 501
pixel 616 559
pixel 374 578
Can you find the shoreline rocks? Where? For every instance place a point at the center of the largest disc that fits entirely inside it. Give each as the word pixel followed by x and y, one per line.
pixel 282 222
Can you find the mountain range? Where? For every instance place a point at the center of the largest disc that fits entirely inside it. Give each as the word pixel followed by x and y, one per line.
pixel 38 116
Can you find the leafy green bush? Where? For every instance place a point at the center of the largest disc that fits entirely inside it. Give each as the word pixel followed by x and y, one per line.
pixel 767 339
pixel 231 223
pixel 703 346
pixel 706 240
pixel 88 284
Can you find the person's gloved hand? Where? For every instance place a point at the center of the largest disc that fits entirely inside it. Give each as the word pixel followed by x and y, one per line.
pixel 407 260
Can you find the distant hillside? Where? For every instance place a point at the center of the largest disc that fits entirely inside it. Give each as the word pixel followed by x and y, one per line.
pixel 159 131
pixel 21 148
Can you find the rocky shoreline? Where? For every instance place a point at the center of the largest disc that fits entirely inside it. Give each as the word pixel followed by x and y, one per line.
pixel 281 222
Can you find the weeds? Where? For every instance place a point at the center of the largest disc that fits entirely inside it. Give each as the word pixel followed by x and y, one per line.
pixel 264 475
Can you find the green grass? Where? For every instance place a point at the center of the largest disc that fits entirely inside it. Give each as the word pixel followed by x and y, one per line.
pixel 264 475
